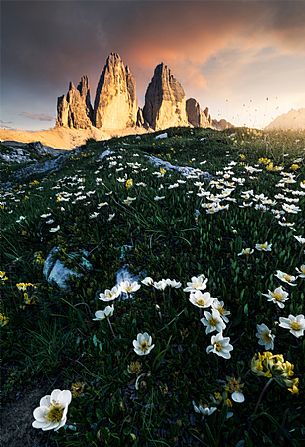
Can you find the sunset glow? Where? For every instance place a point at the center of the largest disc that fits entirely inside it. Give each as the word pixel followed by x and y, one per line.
pixel 245 60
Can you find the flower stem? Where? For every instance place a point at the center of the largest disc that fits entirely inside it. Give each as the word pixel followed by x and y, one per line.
pixel 111 328
pixel 262 395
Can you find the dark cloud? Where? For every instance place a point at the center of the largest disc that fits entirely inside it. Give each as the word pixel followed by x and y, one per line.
pixel 37 116
pixel 48 43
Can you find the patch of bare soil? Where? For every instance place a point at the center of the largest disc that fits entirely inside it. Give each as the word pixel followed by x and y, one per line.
pixel 16 422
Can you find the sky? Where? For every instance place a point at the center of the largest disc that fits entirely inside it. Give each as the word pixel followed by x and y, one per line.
pixel 244 59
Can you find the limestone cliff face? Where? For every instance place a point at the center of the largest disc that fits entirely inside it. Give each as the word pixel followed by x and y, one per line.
pixel 196 116
pixel 116 107
pixel 115 104
pixel 74 110
pixel 165 103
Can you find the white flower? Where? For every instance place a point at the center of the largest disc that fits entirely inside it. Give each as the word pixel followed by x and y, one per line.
pixel 265 337
pixel 148 281
pixel 200 299
pixel 21 218
pixel 219 305
pixel 52 411
pixel 300 239
pixel 220 346
pixel 238 397
pixel 173 283
pixel 205 410
pixel 143 344
pixel 110 295
pixel 246 252
pixel 278 296
pixel 129 287
pixel 301 271
pixel 102 314
pixel 110 217
pixel 288 279
pixel 296 325
pixel 263 247
pixel 45 216
pixel 213 321
pixel 160 285
pixel 197 283
pixel 100 205
pixel 54 230
pixel 291 208
pixel 94 215
pixel 129 200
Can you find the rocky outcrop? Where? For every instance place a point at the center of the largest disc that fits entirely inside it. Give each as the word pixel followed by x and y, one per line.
pixel 140 119
pixel 292 120
pixel 74 110
pixel 116 108
pixel 165 103
pixel 222 124
pixel 115 104
pixel 196 116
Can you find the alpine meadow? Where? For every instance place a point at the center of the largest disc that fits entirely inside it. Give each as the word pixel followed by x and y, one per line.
pixel 152 223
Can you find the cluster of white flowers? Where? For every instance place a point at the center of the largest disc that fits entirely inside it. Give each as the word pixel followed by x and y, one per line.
pixel 214 321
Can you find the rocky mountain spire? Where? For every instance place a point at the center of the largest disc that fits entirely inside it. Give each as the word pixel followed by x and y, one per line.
pixel 83 88
pixel 115 104
pixel 196 116
pixel 165 104
pixel 75 110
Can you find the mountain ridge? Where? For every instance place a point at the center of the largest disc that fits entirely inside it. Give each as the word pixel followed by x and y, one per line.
pixel 292 120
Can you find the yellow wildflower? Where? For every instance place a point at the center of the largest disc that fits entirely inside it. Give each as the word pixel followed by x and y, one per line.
pixel 294 167
pixel 3 277
pixel 128 183
pixel 3 320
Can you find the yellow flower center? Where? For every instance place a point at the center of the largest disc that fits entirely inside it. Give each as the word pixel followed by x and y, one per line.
pixel 218 346
pixel 144 346
pixel 295 325
pixel 55 412
pixel 266 337
pixel 264 245
pixel 221 310
pixel 277 296
pixel 200 301
pixel 212 321
pixel 287 277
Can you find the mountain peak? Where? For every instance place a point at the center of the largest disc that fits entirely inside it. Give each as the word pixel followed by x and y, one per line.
pixel 292 120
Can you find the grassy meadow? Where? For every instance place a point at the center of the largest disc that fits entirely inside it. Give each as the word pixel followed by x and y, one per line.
pixel 116 216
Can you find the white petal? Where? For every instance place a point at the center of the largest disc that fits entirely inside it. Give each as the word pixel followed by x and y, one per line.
pixel 45 401
pixel 65 397
pixel 237 396
pixel 39 413
pixel 37 424
pixel 55 394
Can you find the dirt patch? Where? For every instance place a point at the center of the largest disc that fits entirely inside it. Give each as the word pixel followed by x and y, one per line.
pixel 16 422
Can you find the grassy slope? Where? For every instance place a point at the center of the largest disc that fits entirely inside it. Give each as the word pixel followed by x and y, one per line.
pixel 55 340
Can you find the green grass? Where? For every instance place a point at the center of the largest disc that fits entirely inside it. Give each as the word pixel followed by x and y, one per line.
pixel 56 340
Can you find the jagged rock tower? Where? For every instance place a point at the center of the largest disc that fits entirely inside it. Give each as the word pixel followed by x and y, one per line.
pixel 75 110
pixel 196 116
pixel 115 105
pixel 165 103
